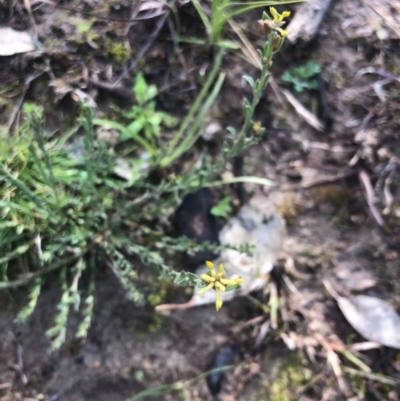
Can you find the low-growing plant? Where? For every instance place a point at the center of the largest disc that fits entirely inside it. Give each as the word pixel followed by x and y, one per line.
pixel 302 77
pixel 145 121
pixel 189 130
pixel 66 208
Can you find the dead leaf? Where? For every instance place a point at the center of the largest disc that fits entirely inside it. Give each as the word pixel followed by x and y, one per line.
pixel 373 318
pixel 13 42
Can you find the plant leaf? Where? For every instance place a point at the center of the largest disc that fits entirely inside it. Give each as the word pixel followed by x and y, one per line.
pixel 140 89
pixel 250 80
pixel 373 318
pixel 223 208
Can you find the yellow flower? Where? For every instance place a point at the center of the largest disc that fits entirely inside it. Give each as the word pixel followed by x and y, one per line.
pixel 278 17
pixel 218 282
pixel 275 24
pixel 282 32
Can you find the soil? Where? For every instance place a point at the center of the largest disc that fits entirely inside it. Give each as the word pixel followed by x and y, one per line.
pixel 335 232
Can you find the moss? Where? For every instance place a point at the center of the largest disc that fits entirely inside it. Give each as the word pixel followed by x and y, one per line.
pixel 335 195
pixel 160 289
pixel 292 376
pixel 284 378
pixel 117 51
pixel 156 323
pixel 288 209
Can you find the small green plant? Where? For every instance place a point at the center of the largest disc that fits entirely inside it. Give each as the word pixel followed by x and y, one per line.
pixel 302 77
pixel 145 121
pixel 65 216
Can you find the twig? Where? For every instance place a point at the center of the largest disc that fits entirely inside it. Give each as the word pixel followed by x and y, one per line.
pixel 274 305
pixel 17 108
pixel 262 333
pixel 247 48
pixel 307 20
pixel 364 346
pixel 28 8
pixel 309 117
pixel 119 91
pixel 369 193
pixel 329 148
pixel 56 396
pixel 317 183
pixel 328 286
pixel 385 180
pixel 373 376
pixel 382 73
pixel 142 51
pixel 333 360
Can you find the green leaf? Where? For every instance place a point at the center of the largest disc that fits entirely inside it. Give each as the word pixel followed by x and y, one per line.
pixel 125 132
pixel 151 92
pixel 168 120
pixel 228 44
pixel 302 77
pixel 232 131
pixel 223 208
pixel 247 109
pixel 16 252
pixel 250 80
pixel 140 89
pixel 155 119
pixel 133 128
pixel 232 287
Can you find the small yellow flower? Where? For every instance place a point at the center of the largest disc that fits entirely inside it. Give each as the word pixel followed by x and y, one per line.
pixel 278 17
pixel 218 282
pixel 276 23
pixel 282 32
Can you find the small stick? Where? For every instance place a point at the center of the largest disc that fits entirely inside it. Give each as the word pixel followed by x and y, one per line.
pixel 169 307
pixel 307 20
pixel 142 51
pixel 369 193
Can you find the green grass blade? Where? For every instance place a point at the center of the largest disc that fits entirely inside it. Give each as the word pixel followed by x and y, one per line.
pixel 203 16
pixel 244 7
pixel 194 132
pixel 121 128
pixel 196 105
pixel 22 187
pixel 38 135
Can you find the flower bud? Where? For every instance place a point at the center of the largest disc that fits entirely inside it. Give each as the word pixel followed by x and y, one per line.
pixel 265 25
pixel 276 42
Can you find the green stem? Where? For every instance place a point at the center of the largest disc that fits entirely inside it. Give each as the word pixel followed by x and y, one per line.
pixel 264 78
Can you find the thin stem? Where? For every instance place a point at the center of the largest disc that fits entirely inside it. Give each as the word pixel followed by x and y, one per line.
pixel 257 90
